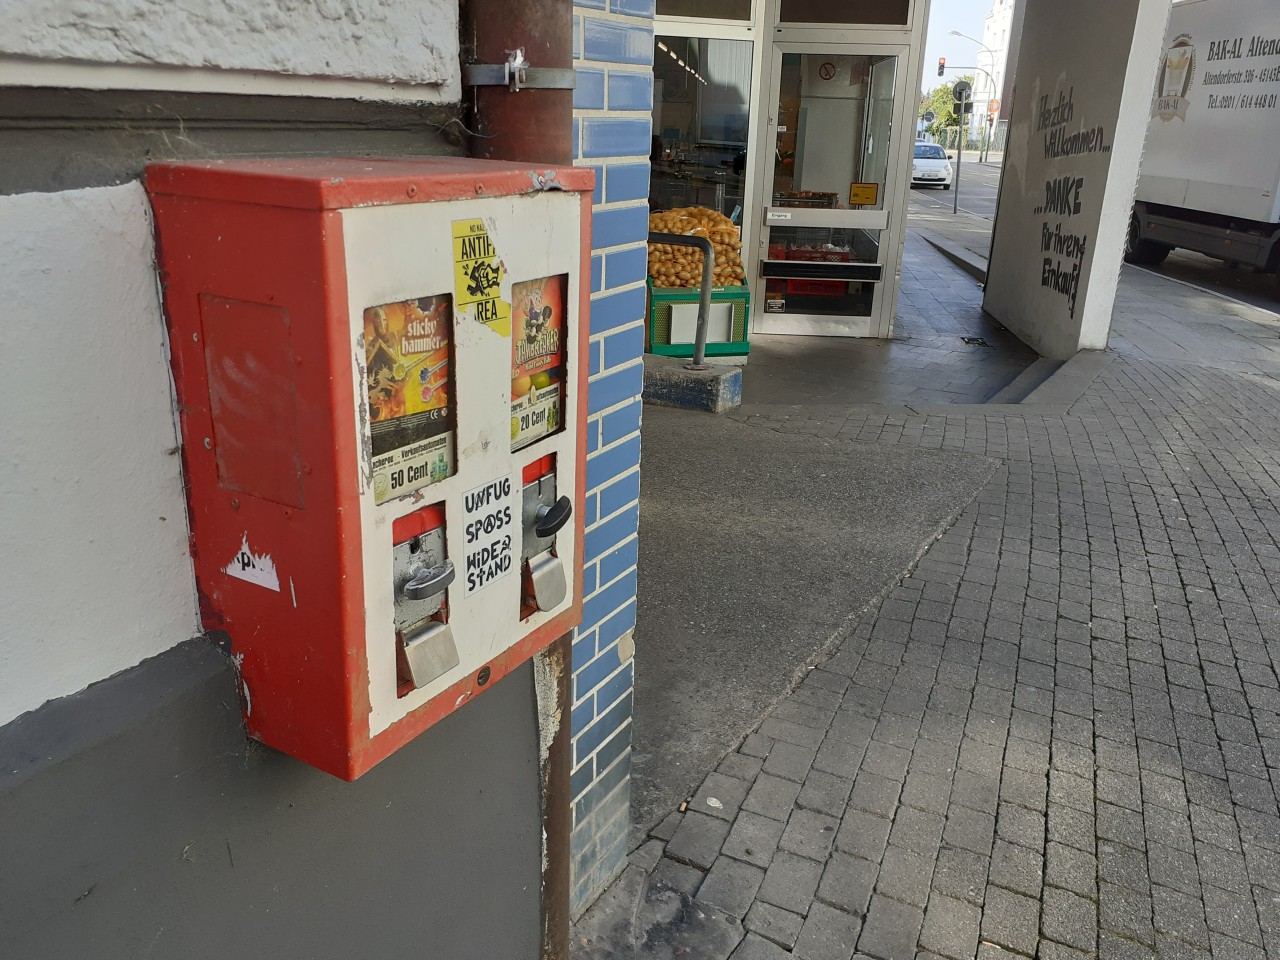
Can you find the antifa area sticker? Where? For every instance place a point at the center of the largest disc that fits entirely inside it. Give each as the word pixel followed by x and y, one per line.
pixel 477 276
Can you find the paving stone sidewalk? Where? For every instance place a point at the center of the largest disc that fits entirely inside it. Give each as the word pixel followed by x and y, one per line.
pixel 1058 737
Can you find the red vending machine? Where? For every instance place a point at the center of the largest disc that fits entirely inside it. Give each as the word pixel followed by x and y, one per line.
pixel 381 377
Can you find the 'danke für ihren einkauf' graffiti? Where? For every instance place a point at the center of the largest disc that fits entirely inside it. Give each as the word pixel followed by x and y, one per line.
pixel 1063 265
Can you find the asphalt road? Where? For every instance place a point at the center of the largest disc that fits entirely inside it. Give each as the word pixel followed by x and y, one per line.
pixel 1257 289
pixel 980 182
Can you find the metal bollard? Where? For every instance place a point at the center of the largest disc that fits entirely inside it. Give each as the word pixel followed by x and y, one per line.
pixel 704 301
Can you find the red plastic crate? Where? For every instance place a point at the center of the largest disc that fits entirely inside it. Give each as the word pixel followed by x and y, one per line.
pixel 818 288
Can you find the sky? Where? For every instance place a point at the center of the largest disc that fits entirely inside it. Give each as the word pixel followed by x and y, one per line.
pixel 967 16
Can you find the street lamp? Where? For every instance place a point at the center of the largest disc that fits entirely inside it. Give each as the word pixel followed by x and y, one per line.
pixel 990 53
pixel 981 46
pixel 957 33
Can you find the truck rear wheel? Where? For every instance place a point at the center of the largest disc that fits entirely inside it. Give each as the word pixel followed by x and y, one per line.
pixel 1146 253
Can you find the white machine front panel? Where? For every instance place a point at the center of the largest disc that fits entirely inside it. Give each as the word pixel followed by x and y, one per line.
pixel 406 252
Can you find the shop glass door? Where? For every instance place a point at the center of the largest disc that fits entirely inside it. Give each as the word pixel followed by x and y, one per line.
pixel 826 210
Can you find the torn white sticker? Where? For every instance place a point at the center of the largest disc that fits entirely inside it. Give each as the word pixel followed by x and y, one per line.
pixel 253 568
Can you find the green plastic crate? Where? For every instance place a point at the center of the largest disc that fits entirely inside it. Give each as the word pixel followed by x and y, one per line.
pixel 661 300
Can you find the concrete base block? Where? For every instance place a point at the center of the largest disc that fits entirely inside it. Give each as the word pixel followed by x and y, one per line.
pixel 668 384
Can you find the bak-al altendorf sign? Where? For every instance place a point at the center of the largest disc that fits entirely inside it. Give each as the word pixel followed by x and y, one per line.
pixel 1177 73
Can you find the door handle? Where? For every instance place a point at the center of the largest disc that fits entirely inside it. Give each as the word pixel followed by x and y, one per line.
pixel 549 520
pixel 429 581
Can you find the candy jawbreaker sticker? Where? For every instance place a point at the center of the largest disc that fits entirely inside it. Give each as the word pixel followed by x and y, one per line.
pixel 537 359
pixel 407 352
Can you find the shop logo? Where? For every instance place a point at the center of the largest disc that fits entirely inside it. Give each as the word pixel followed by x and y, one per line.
pixel 1177 73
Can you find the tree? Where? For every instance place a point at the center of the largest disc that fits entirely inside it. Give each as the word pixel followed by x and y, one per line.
pixel 941 103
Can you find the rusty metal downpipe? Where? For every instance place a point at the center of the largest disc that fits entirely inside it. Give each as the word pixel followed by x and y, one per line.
pixel 536 124
pixel 533 125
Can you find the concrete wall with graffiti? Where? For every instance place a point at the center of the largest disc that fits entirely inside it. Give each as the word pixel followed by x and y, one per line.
pixel 1071 166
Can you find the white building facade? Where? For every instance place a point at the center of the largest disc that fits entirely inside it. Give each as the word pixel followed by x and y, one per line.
pixel 994 59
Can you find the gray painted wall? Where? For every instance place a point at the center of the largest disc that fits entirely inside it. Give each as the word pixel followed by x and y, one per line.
pixel 140 822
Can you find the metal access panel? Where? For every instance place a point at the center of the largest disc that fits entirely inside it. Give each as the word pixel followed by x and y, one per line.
pixel 373 360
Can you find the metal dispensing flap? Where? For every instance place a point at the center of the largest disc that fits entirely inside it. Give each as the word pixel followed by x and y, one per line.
pixel 430 652
pixel 550 585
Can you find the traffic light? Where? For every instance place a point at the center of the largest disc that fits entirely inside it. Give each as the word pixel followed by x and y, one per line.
pixel 942 65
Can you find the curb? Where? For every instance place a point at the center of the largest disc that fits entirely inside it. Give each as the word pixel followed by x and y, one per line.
pixel 970 263
pixel 1072 380
pixel 1064 385
pixel 1027 382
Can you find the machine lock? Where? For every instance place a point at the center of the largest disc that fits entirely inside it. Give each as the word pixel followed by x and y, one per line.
pixel 421 575
pixel 543 514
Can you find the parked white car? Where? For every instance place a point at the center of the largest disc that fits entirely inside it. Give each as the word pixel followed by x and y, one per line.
pixel 931 166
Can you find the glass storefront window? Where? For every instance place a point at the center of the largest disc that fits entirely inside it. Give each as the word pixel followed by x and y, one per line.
pixel 701 111
pixel 888 12
pixel 706 9
pixel 837 250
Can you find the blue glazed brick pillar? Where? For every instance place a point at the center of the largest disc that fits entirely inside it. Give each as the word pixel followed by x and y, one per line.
pixel 613 51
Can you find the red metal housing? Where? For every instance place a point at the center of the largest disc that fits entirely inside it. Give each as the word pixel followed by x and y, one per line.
pixel 266 403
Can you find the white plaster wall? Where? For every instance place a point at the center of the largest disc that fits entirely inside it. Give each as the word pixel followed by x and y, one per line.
pixel 404 41
pixel 1102 55
pixel 94 574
